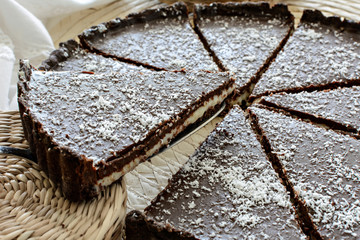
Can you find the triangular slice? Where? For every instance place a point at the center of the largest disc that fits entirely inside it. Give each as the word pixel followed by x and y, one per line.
pixel 158 38
pixel 244 38
pixel 227 190
pixel 71 57
pixel 322 166
pixel 87 130
pixel 322 51
pixel 338 108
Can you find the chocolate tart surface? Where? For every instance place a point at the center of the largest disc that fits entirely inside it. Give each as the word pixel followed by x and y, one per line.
pixel 244 38
pixel 322 51
pixel 321 166
pixel 72 57
pixel 157 38
pixel 337 107
pixel 226 190
pixel 87 130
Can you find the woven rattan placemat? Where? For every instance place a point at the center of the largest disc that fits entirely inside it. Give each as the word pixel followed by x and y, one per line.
pixel 32 207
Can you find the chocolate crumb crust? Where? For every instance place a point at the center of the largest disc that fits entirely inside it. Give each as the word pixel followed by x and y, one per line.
pixel 103 131
pixel 320 169
pixel 337 108
pixel 70 56
pixel 254 32
pixel 160 39
pixel 227 189
pixel 323 52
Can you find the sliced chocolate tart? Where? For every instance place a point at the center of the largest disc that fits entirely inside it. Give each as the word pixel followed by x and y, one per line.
pixel 322 51
pixel 157 38
pixel 87 130
pixel 322 169
pixel 243 37
pixel 227 190
pixel 71 57
pixel 338 108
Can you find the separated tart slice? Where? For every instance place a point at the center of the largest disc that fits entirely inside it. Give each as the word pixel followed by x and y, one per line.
pixel 87 130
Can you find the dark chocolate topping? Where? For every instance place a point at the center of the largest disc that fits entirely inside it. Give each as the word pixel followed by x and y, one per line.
pixel 244 37
pixel 321 51
pixel 71 57
pixel 98 114
pixel 227 189
pixel 160 38
pixel 340 105
pixel 323 167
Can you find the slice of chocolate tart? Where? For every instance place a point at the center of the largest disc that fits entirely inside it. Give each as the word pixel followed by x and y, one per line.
pixel 71 57
pixel 157 38
pixel 243 37
pixel 322 51
pixel 338 108
pixel 87 130
pixel 227 190
pixel 321 167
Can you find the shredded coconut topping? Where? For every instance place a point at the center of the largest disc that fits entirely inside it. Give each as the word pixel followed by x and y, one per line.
pixel 324 168
pixel 315 55
pixel 170 43
pixel 243 50
pixel 93 114
pixel 339 105
pixel 81 60
pixel 240 194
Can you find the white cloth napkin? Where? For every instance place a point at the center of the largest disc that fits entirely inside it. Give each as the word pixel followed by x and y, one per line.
pixel 23 35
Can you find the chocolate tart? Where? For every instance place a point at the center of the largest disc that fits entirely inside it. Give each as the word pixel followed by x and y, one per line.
pixel 338 108
pixel 227 190
pixel 322 52
pixel 243 37
pixel 161 39
pixel 321 169
pixel 87 130
pixel 70 56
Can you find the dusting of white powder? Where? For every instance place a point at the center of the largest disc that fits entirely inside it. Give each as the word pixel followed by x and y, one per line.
pixel 323 166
